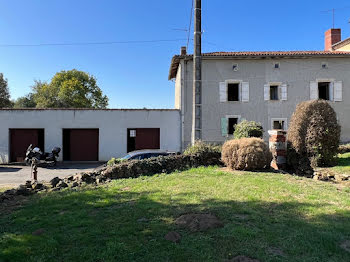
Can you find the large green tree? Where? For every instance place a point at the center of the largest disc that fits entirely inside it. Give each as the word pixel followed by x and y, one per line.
pixel 4 93
pixel 67 89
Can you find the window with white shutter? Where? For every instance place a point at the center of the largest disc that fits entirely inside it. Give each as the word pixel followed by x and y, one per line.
pixel 223 92
pixel 245 91
pixel 338 91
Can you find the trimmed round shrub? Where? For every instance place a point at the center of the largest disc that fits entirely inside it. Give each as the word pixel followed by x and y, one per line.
pixel 313 136
pixel 246 154
pixel 248 129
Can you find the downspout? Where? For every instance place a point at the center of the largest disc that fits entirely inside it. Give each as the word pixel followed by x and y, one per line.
pixel 183 109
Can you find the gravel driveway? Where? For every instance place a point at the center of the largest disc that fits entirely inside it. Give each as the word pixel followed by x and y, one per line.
pixel 11 176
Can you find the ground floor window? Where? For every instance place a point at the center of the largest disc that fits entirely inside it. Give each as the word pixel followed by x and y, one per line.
pixel 279 123
pixel 232 121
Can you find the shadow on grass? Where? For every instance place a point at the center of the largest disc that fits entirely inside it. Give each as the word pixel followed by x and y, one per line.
pixel 120 225
pixel 343 161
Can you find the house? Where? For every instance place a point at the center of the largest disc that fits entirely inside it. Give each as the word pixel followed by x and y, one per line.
pixel 262 86
pixel 87 134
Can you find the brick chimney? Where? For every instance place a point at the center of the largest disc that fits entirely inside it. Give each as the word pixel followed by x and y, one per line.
pixel 183 50
pixel 332 36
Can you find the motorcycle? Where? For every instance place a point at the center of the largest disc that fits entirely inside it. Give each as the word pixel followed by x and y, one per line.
pixel 47 158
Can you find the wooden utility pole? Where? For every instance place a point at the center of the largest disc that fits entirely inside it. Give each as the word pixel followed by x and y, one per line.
pixel 197 73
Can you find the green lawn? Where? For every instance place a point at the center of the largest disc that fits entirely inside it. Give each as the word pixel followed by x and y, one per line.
pixel 271 217
pixel 343 164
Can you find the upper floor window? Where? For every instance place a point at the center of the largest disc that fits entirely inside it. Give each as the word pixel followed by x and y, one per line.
pixel 233 92
pixel 327 90
pixel 324 90
pixel 273 92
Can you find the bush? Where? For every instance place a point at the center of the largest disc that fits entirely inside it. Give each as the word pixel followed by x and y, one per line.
pixel 313 136
pixel 248 129
pixel 246 154
pixel 202 148
pixel 114 161
pixel 162 164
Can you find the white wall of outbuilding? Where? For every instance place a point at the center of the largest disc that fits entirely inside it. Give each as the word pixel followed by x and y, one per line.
pixel 112 125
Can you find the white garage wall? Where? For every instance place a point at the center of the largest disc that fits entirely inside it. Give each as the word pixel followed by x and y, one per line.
pixel 112 125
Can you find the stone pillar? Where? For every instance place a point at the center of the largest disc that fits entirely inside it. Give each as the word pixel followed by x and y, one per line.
pixel 278 148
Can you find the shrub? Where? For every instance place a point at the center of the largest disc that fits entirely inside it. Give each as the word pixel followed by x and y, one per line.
pixel 114 161
pixel 156 165
pixel 313 136
pixel 246 154
pixel 248 129
pixel 202 148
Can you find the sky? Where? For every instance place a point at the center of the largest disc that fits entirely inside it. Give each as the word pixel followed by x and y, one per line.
pixel 135 75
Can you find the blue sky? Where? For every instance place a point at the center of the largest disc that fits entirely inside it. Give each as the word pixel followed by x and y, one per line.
pixel 135 75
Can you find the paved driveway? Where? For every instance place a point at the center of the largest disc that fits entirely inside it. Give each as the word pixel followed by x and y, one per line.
pixel 11 176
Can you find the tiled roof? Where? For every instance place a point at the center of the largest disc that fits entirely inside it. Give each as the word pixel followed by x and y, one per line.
pixel 259 54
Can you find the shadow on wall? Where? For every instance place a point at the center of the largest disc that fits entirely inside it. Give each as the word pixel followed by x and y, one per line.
pixel 119 225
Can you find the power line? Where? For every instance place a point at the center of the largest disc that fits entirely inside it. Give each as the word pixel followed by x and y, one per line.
pixel 94 43
pixel 189 27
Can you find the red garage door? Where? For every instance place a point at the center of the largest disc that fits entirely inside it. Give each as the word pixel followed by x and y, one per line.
pixel 20 139
pixel 80 144
pixel 143 138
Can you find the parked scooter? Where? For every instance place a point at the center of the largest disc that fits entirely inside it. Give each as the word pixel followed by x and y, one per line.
pixel 44 158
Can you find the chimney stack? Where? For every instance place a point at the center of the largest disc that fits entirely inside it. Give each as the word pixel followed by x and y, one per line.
pixel 183 50
pixel 332 36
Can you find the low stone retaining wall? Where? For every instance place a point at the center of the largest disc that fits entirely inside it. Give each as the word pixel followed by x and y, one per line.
pixel 130 169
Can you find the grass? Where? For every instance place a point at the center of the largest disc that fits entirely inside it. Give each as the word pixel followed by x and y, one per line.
pixel 343 164
pixel 271 217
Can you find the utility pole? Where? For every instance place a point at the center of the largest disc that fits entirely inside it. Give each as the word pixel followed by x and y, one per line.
pixel 197 73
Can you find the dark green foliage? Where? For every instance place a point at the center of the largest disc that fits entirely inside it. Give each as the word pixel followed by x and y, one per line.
pixel 248 129
pixel 313 137
pixel 26 101
pixel 4 93
pixel 162 164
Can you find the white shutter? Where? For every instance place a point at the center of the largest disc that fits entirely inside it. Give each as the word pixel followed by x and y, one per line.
pixel 223 92
pixel 245 91
pixel 331 91
pixel 338 91
pixel 313 90
pixel 266 92
pixel 284 92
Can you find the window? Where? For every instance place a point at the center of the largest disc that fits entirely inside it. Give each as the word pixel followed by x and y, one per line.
pixel 277 65
pixel 324 65
pixel 279 123
pixel 231 125
pixel 233 92
pixel 323 90
pixel 235 67
pixel 273 92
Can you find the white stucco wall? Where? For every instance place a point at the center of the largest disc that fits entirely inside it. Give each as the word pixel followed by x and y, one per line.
pixel 112 125
pixel 296 73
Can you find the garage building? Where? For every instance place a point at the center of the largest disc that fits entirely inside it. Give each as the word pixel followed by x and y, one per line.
pixel 87 134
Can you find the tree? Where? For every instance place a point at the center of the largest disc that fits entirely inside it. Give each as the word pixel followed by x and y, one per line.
pixel 25 101
pixel 69 89
pixel 4 93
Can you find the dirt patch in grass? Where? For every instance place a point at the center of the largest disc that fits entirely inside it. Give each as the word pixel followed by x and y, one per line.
pixel 9 206
pixel 198 222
